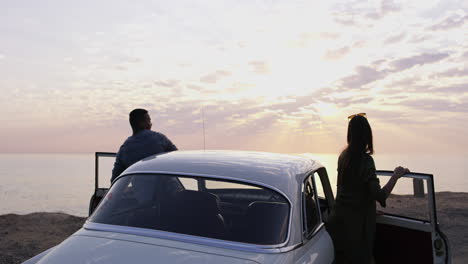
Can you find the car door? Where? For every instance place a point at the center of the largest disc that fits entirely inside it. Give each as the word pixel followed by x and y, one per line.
pixel 317 198
pixel 407 230
pixel 101 180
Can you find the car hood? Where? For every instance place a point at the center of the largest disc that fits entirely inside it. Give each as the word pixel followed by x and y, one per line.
pixel 99 250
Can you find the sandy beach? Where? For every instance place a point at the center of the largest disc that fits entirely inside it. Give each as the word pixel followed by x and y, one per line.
pixel 23 236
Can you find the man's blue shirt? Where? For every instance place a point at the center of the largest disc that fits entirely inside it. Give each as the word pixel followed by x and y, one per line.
pixel 139 146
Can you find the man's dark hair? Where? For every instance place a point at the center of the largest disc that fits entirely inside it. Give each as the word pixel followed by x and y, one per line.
pixel 136 117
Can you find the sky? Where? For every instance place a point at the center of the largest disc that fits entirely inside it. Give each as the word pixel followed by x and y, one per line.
pixel 279 76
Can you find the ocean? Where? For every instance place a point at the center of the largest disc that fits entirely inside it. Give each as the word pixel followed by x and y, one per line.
pixel 65 182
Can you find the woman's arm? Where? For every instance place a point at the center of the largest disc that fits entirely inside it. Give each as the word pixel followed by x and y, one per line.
pixel 397 173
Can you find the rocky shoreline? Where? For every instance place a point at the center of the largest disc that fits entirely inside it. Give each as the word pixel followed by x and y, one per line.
pixel 24 236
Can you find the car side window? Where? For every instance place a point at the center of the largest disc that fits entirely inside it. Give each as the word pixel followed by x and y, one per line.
pixel 322 199
pixel 189 183
pixel 311 214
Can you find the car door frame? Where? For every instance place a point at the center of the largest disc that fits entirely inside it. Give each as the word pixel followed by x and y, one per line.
pixel 99 193
pixel 316 244
pixel 429 226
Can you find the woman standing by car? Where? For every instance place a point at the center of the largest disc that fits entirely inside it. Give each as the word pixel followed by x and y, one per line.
pixel 352 221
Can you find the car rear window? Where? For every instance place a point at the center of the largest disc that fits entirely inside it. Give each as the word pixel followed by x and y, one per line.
pixel 227 210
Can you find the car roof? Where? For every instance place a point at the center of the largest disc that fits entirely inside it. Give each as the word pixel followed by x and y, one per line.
pixel 283 172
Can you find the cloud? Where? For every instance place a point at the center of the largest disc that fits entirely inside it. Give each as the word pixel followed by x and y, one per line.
pixel 337 53
pixel 215 76
pixel 389 6
pixel 293 104
pixel 381 70
pixel 345 19
pixel 452 21
pixel 386 7
pixel 305 39
pixel 2 56
pixel 378 63
pixel 395 39
pixel 241 118
pixel 348 101
pixel 121 68
pixel 364 75
pixel 407 82
pixel 167 83
pixel 260 67
pixel 201 90
pixel 409 62
pixel 458 89
pixel 421 38
pixel 329 35
pixel 355 13
pixel 439 105
pixel 454 72
pixel 465 55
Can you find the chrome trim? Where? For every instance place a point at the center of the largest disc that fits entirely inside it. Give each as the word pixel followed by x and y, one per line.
pixel 408 175
pixel 317 201
pixel 432 211
pixel 106 154
pixel 317 229
pixel 225 178
pixel 188 238
pixel 308 235
pixel 291 248
pixel 404 222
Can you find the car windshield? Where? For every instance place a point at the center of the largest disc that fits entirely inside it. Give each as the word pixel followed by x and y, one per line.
pixel 198 206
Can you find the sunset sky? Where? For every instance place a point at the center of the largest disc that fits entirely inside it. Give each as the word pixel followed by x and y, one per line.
pixel 279 76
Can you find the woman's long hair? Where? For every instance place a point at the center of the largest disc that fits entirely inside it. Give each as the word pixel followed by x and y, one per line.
pixel 359 143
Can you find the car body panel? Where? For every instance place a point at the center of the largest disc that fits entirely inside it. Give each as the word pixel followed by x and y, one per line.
pixel 98 247
pixel 319 249
pixel 94 249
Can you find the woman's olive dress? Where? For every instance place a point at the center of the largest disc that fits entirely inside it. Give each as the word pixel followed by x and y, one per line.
pixel 352 221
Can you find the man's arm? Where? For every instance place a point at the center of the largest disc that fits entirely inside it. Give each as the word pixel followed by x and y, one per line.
pixel 118 167
pixel 168 145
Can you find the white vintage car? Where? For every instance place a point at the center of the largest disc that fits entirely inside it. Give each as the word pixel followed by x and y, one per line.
pixel 230 207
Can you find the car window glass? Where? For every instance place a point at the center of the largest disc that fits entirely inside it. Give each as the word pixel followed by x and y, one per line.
pixel 248 214
pixel 105 171
pixel 319 186
pixel 227 185
pixel 322 200
pixel 311 210
pixel 189 183
pixel 409 199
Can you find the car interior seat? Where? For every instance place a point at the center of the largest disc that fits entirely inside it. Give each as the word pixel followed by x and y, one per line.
pixel 195 213
pixel 267 222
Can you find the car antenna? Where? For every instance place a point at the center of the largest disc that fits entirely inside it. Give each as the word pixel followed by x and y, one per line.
pixel 203 121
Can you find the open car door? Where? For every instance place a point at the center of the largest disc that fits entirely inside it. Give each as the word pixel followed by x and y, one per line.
pixel 106 171
pixel 407 228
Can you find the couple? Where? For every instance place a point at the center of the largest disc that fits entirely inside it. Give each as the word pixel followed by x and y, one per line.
pixel 352 221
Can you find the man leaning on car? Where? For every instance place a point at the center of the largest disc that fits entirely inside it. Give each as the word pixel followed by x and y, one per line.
pixel 143 143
